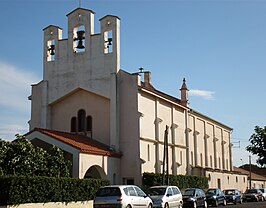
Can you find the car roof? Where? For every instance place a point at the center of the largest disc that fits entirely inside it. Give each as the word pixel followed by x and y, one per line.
pixel 163 187
pixel 118 186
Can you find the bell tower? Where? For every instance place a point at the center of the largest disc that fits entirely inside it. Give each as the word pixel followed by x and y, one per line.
pixel 84 61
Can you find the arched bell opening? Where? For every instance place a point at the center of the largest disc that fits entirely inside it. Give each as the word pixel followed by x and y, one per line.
pixel 51 49
pixel 79 41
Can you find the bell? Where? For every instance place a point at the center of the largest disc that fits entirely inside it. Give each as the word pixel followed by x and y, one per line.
pixel 80 45
pixel 109 41
pixel 80 34
pixel 51 49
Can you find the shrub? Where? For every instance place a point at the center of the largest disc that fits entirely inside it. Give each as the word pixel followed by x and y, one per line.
pixel 181 181
pixel 22 189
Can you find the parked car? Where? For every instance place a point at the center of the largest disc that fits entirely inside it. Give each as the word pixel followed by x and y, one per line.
pixel 263 190
pixel 165 196
pixel 194 197
pixel 253 195
pixel 233 196
pixel 122 196
pixel 215 197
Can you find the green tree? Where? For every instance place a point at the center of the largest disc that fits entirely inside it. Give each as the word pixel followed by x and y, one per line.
pixel 21 157
pixel 258 145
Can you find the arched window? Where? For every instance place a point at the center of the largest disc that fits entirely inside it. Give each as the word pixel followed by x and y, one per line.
pixel 81 120
pixel 89 123
pixel 73 124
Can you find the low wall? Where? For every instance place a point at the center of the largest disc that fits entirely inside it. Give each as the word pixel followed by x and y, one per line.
pixel 83 204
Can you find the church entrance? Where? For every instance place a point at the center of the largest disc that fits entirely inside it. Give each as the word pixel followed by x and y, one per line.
pixel 95 172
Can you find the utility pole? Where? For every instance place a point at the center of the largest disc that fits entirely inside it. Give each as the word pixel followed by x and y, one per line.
pixel 250 171
pixel 165 158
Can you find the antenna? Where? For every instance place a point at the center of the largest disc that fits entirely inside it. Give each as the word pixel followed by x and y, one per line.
pixel 80 3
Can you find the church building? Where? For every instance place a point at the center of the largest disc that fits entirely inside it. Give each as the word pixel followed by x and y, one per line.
pixel 114 125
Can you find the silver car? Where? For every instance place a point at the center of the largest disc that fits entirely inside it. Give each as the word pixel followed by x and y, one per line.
pixel 165 196
pixel 121 196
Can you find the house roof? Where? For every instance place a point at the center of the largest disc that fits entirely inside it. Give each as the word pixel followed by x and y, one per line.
pixel 81 142
pixel 149 87
pixel 254 176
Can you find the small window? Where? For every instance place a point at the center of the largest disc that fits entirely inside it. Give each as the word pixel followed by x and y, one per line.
pixel 89 123
pixel 131 191
pixel 73 124
pixel 169 192
pixel 139 192
pixel 81 120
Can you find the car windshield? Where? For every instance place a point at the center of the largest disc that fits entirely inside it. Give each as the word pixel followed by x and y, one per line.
pixel 156 191
pixel 251 191
pixel 211 192
pixel 108 191
pixel 189 192
pixel 229 192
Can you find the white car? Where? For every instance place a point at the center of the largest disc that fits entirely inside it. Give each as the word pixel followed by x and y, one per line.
pixel 263 190
pixel 121 196
pixel 165 196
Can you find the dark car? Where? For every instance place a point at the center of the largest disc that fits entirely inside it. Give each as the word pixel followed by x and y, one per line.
pixel 215 197
pixel 233 196
pixel 253 195
pixel 194 197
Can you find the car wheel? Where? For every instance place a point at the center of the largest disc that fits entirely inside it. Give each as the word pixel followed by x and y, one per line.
pixel 180 205
pixel 224 203
pixel 166 205
pixel 128 206
pixel 150 206
pixel 194 205
pixel 205 205
pixel 241 201
pixel 216 203
pixel 235 202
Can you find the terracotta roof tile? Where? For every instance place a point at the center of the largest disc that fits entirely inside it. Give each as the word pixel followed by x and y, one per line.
pixel 254 176
pixel 81 142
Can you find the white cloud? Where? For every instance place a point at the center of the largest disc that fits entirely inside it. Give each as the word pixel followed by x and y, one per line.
pixel 15 87
pixel 208 95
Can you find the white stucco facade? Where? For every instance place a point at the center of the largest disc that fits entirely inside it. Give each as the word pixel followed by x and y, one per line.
pixel 84 91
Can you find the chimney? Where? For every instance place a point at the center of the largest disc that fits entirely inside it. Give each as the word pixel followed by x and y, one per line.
pixel 147 78
pixel 184 94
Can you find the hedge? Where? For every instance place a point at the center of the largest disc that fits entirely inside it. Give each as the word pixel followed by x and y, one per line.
pixel 181 181
pixel 20 189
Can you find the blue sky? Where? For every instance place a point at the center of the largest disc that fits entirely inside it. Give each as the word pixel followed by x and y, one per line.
pixel 218 46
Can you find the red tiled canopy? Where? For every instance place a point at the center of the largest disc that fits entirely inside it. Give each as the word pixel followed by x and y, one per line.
pixel 80 142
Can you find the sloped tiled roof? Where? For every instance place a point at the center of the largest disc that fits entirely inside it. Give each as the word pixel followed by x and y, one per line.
pixel 80 142
pixel 254 176
pixel 150 88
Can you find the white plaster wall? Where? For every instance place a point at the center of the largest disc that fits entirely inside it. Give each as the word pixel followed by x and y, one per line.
pixel 164 113
pixel 129 127
pixel 94 105
pixel 109 165
pixel 149 164
pixel 147 108
pixel 210 144
pixel 200 143
pixel 179 119
pixel 228 181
